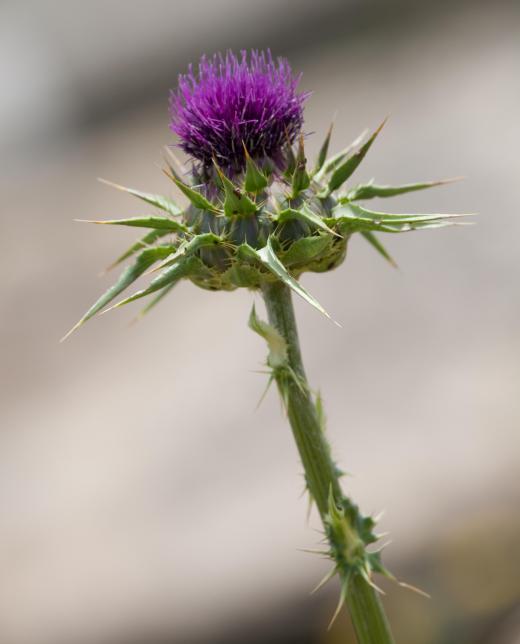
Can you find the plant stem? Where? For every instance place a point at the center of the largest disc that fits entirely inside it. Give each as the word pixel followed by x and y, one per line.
pixel 321 473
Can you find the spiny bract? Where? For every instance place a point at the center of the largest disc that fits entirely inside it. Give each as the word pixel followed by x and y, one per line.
pixel 256 212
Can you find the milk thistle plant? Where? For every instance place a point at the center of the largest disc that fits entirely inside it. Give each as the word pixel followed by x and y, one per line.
pixel 259 216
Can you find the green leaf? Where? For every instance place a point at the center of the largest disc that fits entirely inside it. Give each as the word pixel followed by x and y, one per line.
pixel 155 300
pixel 142 243
pixel 196 198
pixel 300 178
pixel 336 159
pixel 343 171
pixel 268 258
pixel 322 154
pixel 191 246
pixel 159 223
pixel 168 277
pixel 143 261
pixel 307 215
pixel 236 202
pixel 290 161
pixel 375 243
pixel 159 201
pixel 242 274
pixel 275 341
pixel 306 249
pixel 353 218
pixel 255 181
pixel 369 190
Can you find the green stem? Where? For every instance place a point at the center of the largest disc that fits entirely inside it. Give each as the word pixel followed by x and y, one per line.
pixel 321 473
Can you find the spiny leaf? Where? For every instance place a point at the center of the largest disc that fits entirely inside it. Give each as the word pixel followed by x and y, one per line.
pixel 241 273
pixel 306 249
pixel 375 243
pixel 143 261
pixel 336 159
pixel 159 223
pixel 324 150
pixel 276 343
pixel 167 278
pixel 255 181
pixel 159 201
pixel 355 218
pixel 191 246
pixel 155 301
pixel 300 178
pixel 307 215
pixel 196 198
pixel 343 171
pixel 369 190
pixel 235 202
pixel 341 602
pixel 142 243
pixel 290 161
pixel 268 258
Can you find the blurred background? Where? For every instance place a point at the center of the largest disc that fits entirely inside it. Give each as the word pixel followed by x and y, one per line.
pixel 143 499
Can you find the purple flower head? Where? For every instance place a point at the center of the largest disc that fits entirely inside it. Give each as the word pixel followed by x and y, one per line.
pixel 233 102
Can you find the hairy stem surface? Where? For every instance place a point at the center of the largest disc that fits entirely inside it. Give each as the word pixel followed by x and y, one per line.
pixel 321 473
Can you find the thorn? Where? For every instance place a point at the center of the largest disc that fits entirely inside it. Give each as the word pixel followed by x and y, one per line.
pixel 414 589
pixel 383 123
pixel 356 142
pixel 246 152
pixel 324 540
pixel 381 548
pixel 342 599
pixel 369 581
pixel 325 580
pixel 379 516
pixel 264 394
pixel 180 166
pixel 69 333
pixel 315 551
pixel 112 184
pixel 322 533
pixel 443 182
pixel 168 173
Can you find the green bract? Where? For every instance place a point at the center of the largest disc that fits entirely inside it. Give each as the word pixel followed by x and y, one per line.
pixel 262 226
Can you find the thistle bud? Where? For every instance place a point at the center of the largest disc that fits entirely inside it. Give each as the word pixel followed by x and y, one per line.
pixel 256 210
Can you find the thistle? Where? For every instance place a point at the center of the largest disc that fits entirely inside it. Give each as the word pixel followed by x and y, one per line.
pixel 259 216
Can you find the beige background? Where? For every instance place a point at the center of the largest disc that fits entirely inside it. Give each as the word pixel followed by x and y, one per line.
pixel 140 490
